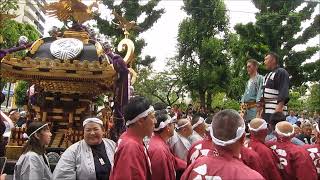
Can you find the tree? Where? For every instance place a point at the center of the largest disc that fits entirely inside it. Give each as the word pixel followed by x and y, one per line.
pixel 164 87
pixel 8 5
pixel 20 93
pixel 295 102
pixel 221 101
pixel 202 62
pixel 241 50
pixel 131 10
pixel 5 7
pixel 314 98
pixel 12 30
pixel 278 27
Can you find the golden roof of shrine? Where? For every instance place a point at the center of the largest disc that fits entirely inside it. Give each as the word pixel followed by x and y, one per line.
pixel 69 63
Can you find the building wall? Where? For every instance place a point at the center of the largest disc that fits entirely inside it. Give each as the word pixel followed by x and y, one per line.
pixel 32 12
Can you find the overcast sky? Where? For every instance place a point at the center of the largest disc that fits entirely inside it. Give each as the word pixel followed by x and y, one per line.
pixel 161 39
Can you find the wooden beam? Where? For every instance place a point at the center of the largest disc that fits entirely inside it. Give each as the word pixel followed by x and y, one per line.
pixel 44 116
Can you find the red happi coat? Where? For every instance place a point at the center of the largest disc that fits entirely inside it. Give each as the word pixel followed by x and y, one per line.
pixel 268 159
pixel 131 160
pixel 314 153
pixel 206 147
pixel 252 160
pixel 200 148
pixel 163 162
pixel 294 161
pixel 219 165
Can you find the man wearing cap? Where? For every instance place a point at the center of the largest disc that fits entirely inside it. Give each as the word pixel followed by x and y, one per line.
pixel 295 162
pixel 131 160
pixel 164 164
pixel 199 129
pixel 314 150
pixel 88 159
pixel 180 143
pixel 258 131
pixel 228 135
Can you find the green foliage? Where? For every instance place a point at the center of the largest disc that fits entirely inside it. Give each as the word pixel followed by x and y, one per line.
pixel 314 98
pixel 295 102
pixel 278 28
pixel 221 101
pixel 132 11
pixel 142 84
pixel 12 30
pixel 2 84
pixel 202 62
pixel 299 102
pixel 241 50
pixel 8 5
pixel 20 93
pixel 164 87
pixel 100 100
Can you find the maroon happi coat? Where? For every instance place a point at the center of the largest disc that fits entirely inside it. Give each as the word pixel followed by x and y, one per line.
pixel 268 159
pixel 206 147
pixel 252 160
pixel 131 160
pixel 164 164
pixel 200 148
pixel 314 152
pixel 294 161
pixel 219 165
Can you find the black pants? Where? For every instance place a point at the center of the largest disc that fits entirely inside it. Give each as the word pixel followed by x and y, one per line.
pixel 266 117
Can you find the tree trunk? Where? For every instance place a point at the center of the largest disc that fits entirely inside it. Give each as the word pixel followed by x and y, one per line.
pixel 209 100
pixel 202 95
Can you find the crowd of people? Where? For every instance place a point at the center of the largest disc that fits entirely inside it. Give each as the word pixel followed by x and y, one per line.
pixel 158 145
pixel 163 143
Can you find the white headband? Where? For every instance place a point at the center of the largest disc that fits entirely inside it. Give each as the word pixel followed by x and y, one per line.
pixel 28 137
pixel 263 126
pixel 184 125
pixel 240 131
pixel 12 112
pixel 284 134
pixel 94 120
pixel 141 115
pixel 163 124
pixel 200 121
pixel 174 118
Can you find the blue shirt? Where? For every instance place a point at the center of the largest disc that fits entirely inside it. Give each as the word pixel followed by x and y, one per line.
pixel 272 137
pixel 253 91
pixel 292 119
